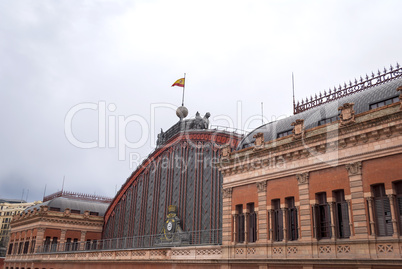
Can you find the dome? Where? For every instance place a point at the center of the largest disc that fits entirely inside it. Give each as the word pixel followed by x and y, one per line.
pixel 61 203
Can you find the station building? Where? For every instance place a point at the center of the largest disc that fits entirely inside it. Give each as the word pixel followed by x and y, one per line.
pixel 319 189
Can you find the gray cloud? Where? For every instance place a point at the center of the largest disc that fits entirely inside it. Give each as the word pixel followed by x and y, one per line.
pixel 57 54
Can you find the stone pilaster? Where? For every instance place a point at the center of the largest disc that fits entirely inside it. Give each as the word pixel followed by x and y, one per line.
pixel 393 216
pixel 262 235
pixel 234 228
pixel 246 228
pixel 371 214
pixel 332 212
pixel 63 236
pixel 271 226
pixel 285 223
pixel 83 234
pixel 227 216
pixel 62 239
pixel 40 233
pixel 350 218
pixel 304 198
pixel 359 217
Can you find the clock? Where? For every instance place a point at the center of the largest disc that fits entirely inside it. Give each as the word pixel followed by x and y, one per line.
pixel 169 226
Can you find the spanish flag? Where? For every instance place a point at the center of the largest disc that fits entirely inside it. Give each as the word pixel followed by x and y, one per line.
pixel 179 82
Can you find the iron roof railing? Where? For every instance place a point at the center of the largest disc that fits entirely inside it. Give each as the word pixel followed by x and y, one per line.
pixel 351 88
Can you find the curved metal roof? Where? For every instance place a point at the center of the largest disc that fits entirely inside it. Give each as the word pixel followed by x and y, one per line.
pixel 73 204
pixel 362 101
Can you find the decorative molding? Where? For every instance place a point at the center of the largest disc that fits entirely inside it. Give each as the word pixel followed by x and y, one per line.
pixel 298 129
pixel 181 252
pixel 391 196
pixel 347 115
pixel 67 212
pixel 387 131
pixel 157 252
pixel 226 152
pixel 302 178
pixel 44 209
pixel 227 193
pixel 325 249
pixel 354 169
pixel 259 141
pixel 262 186
pixel 86 214
pixel 212 251
pixel 385 248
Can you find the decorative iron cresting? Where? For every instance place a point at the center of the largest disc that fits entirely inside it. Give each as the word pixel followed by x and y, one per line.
pixel 82 196
pixel 349 89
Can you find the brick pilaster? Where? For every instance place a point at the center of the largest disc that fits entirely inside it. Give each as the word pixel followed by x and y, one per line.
pixel 262 236
pixel 304 198
pixel 227 216
pixel 358 204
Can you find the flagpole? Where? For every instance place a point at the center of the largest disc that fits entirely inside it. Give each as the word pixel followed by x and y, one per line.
pixel 293 88
pixel 184 86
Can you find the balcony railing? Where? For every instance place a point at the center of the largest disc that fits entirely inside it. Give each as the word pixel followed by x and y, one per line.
pixel 194 238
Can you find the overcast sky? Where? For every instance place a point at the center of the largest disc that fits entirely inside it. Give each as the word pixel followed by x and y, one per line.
pixel 67 65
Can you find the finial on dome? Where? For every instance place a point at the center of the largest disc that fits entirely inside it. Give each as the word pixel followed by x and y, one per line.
pixel 182 112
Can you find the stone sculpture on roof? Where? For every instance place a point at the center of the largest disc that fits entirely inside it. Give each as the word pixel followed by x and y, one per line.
pixel 200 123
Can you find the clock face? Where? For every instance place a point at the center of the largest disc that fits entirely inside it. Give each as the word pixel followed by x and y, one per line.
pixel 169 226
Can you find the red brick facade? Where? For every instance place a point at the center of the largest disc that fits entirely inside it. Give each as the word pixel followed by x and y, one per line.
pixel 343 181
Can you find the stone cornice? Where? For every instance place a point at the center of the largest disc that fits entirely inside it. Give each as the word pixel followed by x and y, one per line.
pixel 251 177
pixel 59 218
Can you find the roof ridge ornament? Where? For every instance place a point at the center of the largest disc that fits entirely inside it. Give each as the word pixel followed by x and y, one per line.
pixel 352 88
